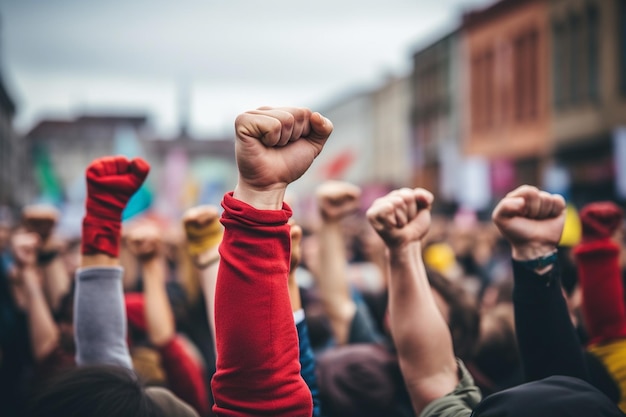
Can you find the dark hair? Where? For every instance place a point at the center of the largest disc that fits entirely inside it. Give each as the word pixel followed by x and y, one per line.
pixel 464 319
pixel 92 391
pixel 497 356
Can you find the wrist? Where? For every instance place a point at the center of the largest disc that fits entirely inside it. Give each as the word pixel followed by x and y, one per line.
pixel 152 263
pixel 523 253
pixel 30 279
pixel 206 259
pixel 260 199
pixel 410 252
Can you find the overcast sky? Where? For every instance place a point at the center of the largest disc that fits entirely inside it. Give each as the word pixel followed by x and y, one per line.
pixel 61 58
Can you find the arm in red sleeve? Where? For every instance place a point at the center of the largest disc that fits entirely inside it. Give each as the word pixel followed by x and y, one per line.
pixel 603 292
pixel 185 376
pixel 258 370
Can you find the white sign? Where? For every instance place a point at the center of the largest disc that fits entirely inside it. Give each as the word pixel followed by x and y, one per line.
pixel 619 153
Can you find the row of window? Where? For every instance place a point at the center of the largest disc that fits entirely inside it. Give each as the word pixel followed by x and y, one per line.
pixel 505 78
pixel 622 44
pixel 505 82
pixel 576 46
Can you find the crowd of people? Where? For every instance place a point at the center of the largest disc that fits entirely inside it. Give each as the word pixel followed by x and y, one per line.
pixel 386 310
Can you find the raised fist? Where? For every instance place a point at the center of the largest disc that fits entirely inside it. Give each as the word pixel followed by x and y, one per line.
pixel 531 220
pixel 111 182
pixel 143 239
pixel 202 228
pixel 402 216
pixel 275 146
pixel 337 199
pixel 601 220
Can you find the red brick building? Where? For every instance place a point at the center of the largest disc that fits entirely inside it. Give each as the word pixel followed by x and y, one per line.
pixel 506 113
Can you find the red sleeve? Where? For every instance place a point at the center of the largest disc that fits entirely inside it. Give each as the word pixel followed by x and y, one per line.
pixel 600 279
pixel 185 377
pixel 258 371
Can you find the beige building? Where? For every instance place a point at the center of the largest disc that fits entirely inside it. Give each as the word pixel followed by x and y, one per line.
pixel 391 158
pixel 183 171
pixel 63 148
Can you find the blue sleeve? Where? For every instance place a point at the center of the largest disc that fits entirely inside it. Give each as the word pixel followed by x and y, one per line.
pixel 307 366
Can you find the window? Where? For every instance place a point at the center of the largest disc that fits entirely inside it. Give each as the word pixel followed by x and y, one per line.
pixel 533 73
pixel 476 93
pixel 593 54
pixel 525 53
pixel 559 76
pixel 488 88
pixel 519 46
pixel 574 59
pixel 622 44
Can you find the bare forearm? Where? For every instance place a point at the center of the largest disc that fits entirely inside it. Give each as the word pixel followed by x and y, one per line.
pixel 159 316
pixel 43 331
pixel 419 331
pixel 57 282
pixel 333 281
pixel 294 292
pixel 208 279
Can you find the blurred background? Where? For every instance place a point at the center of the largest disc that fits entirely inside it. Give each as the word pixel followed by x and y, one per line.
pixel 468 98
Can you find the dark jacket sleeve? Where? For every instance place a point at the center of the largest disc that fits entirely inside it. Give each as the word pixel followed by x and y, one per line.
pixel 545 334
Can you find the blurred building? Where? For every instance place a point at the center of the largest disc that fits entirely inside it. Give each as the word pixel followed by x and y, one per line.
pixel 348 154
pixel 369 146
pixel 181 167
pixel 10 152
pixel 507 94
pixel 59 150
pixel 189 171
pixel 589 93
pixel 435 116
pixel 391 158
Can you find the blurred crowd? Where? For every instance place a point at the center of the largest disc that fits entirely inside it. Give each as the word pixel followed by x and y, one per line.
pixel 197 310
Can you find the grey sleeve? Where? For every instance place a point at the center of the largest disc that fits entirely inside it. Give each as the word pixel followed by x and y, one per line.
pixel 100 318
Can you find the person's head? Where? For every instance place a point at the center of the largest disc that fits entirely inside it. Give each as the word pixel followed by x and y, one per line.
pixel 497 356
pixel 103 391
pixel 93 391
pixel 361 380
pixel 460 311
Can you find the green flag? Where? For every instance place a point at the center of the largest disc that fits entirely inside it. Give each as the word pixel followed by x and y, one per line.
pixel 50 189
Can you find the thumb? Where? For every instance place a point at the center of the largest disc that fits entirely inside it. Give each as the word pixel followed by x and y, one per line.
pixel 140 168
pixel 321 127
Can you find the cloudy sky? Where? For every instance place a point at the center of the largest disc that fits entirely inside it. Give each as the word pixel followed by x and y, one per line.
pixel 66 57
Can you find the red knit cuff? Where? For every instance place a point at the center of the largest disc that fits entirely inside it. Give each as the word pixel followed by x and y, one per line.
pixel 250 216
pixel 101 236
pixel 601 247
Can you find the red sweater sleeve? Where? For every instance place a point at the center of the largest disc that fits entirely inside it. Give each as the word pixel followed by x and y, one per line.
pixel 258 371
pixel 603 292
pixel 185 377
